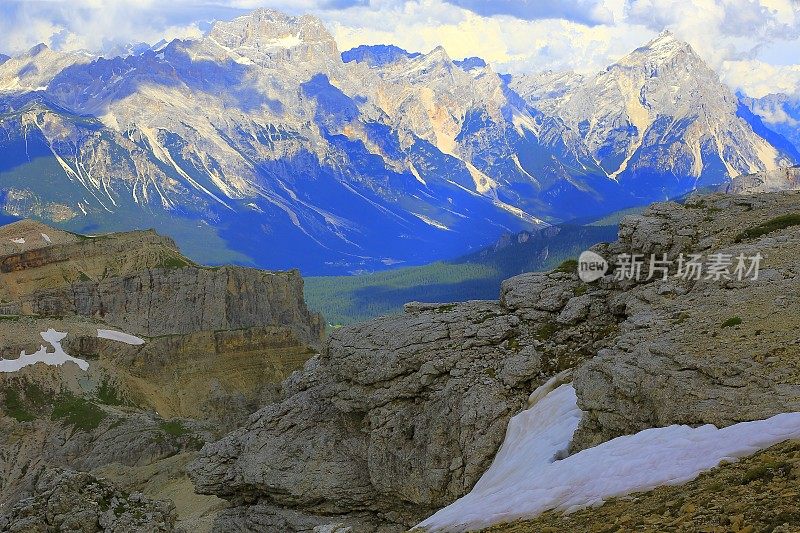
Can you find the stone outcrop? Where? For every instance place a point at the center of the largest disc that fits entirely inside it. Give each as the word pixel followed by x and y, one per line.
pixel 139 281
pixel 217 342
pixel 778 179
pixel 694 352
pixel 401 415
pixel 66 500
pixel 169 301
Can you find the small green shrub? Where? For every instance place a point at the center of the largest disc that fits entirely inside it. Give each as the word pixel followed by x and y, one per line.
pixel 767 471
pixel 570 266
pixel 108 394
pixel 176 431
pixel 15 408
pixel 680 318
pixel 173 428
pixel 775 224
pixel 173 262
pixel 546 331
pixel 732 321
pixel 77 412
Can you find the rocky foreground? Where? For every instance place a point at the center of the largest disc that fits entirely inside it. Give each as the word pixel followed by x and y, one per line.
pixel 100 443
pixel 400 416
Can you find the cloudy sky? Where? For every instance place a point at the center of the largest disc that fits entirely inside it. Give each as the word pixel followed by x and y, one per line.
pixel 754 44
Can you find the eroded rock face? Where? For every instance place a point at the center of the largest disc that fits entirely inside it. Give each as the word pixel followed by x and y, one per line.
pixel 217 343
pixel 401 415
pixel 139 281
pixel 696 352
pixel 168 301
pixel 65 500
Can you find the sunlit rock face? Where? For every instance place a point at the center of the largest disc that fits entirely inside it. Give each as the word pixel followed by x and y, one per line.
pixel 258 144
pixel 659 121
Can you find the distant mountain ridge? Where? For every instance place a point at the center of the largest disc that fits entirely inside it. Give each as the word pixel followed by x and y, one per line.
pixel 260 143
pixel 779 112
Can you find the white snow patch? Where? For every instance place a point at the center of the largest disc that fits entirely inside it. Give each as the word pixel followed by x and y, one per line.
pixel 526 478
pixel 415 173
pixel 18 241
pixel 431 222
pixel 46 238
pixel 56 358
pixel 517 212
pixel 119 336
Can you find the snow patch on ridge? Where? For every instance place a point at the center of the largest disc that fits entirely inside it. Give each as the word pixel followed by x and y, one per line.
pixel 527 477
pixel 55 358
pixel 119 336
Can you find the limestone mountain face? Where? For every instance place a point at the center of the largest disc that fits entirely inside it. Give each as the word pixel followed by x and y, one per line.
pixel 263 132
pixel 659 121
pixel 34 69
pixel 399 416
pixel 191 352
pixel 139 281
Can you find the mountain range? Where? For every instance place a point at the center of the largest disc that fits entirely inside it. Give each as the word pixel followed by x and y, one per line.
pixel 261 143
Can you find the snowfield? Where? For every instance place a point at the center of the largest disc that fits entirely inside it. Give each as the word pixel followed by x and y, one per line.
pixel 527 478
pixel 119 336
pixel 56 358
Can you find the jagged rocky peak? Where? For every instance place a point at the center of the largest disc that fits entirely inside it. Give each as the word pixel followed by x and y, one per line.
pixel 437 55
pixel 664 53
pixel 425 68
pixel 664 45
pixel 38 49
pixel 34 69
pixel 266 29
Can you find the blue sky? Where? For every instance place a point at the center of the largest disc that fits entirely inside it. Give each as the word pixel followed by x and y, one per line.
pixel 754 44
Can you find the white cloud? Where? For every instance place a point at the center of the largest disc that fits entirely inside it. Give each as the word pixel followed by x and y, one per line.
pixel 747 41
pixel 510 44
pixel 756 78
pixel 90 24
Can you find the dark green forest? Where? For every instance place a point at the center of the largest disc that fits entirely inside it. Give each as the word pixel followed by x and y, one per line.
pixel 347 299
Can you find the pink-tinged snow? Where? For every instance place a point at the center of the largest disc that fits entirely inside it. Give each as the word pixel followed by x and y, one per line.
pixel 119 336
pixel 526 478
pixel 56 358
